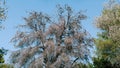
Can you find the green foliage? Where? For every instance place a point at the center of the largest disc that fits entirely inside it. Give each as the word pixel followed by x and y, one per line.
pixel 1 58
pixel 108 43
pixel 2 53
pixel 104 48
pixel 6 66
pixel 102 63
pixel 82 65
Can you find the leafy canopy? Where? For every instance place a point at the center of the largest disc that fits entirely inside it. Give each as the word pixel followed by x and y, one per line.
pixel 108 43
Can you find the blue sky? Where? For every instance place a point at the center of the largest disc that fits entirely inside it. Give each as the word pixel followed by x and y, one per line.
pixel 17 9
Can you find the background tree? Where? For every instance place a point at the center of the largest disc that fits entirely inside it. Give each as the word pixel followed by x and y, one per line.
pixel 2 17
pixel 58 43
pixel 1 56
pixel 2 11
pixel 2 50
pixel 108 43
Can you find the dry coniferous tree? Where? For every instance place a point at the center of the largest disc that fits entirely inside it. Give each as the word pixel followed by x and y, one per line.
pixel 48 44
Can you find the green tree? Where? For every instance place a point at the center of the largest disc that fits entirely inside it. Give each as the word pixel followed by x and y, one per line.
pixel 108 43
pixel 101 63
pixel 58 43
pixel 1 56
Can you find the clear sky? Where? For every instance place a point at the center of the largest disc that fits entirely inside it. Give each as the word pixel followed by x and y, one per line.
pixel 17 9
